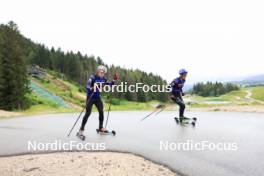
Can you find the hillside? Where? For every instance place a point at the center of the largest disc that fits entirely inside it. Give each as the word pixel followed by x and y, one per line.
pixel 249 98
pixel 52 94
pixel 74 67
pixel 246 99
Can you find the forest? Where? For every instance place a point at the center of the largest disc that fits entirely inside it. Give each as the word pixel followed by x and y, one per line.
pixel 18 52
pixel 213 89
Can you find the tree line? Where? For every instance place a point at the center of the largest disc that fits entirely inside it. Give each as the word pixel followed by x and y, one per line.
pixel 213 89
pixel 13 74
pixel 17 52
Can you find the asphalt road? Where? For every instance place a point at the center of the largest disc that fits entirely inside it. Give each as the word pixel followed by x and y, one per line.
pixel 245 131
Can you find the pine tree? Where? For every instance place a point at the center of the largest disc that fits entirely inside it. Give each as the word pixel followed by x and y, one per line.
pixel 13 73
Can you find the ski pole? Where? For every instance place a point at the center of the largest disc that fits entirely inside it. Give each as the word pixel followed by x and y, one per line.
pixel 116 77
pixel 80 114
pixel 162 109
pixel 149 115
pixel 157 108
pixel 110 103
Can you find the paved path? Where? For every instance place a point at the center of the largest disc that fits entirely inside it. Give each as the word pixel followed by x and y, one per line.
pixel 248 95
pixel 245 129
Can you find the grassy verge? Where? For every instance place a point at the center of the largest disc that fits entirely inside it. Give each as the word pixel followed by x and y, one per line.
pixel 234 98
pixel 128 105
pixel 75 96
pixel 42 105
pixel 258 93
pixel 68 92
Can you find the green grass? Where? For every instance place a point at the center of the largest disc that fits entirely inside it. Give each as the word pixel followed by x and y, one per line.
pixel 68 92
pixel 40 105
pixel 38 100
pixel 129 105
pixel 72 93
pixel 232 95
pixel 45 109
pixel 258 93
pixel 231 98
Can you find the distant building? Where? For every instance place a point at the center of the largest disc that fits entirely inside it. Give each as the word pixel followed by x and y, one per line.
pixel 35 71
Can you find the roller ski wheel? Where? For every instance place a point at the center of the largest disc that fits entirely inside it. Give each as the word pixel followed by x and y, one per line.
pixel 106 132
pixel 80 136
pixel 182 120
pixel 189 118
pixel 186 121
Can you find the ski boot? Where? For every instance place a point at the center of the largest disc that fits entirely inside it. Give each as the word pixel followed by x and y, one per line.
pixel 80 135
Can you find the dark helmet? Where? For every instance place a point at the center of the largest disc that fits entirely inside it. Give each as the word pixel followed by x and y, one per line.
pixel 183 71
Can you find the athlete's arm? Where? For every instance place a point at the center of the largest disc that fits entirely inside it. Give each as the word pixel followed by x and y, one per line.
pixel 90 83
pixel 116 78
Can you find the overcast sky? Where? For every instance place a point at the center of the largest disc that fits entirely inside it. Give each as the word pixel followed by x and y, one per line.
pixel 211 39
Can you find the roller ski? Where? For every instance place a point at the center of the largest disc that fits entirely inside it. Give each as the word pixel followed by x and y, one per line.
pixel 186 121
pixel 80 135
pixel 105 132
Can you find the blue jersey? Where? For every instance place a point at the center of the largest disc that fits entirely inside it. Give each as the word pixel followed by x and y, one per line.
pixel 93 79
pixel 177 85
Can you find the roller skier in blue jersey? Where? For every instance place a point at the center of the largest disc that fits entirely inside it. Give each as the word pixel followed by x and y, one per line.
pixel 177 92
pixel 93 97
